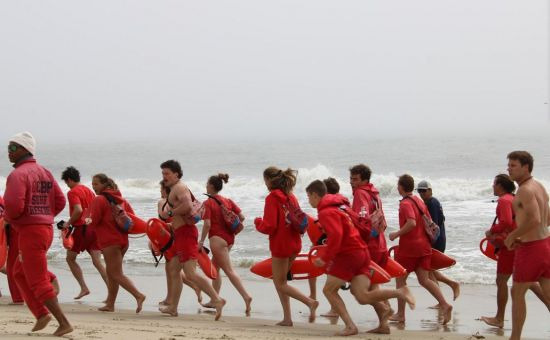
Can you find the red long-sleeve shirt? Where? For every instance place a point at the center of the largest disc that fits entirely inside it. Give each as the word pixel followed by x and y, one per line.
pixel 32 195
pixel 283 240
pixel 505 215
pixel 342 236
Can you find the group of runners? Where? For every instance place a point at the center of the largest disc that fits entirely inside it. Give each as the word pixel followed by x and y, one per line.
pixel 33 198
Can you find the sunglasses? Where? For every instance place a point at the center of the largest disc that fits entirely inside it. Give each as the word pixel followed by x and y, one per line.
pixel 422 190
pixel 13 147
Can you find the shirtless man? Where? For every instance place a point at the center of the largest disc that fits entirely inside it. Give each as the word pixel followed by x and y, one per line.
pixel 530 238
pixel 185 239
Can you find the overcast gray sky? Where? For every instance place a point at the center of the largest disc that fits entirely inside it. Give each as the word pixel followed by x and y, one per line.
pixel 141 69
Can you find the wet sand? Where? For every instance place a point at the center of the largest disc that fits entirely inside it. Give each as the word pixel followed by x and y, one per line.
pixel 197 322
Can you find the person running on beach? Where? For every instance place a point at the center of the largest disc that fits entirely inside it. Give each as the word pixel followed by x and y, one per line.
pixel 347 259
pixel 33 198
pixel 415 250
pixel 284 242
pixel 504 188
pixel 221 236
pixel 530 239
pixel 80 198
pixel 112 242
pixel 424 189
pixel 169 254
pixel 366 200
pixel 180 203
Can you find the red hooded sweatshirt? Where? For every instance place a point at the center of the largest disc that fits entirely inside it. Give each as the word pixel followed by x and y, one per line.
pixel 32 195
pixel 103 221
pixel 342 236
pixel 283 240
pixel 365 196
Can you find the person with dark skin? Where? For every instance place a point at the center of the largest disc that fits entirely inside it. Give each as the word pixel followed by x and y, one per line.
pixel 33 198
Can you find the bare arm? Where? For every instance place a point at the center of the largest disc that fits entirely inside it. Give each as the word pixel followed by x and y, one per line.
pixel 241 217
pixel 183 196
pixel 409 225
pixel 75 216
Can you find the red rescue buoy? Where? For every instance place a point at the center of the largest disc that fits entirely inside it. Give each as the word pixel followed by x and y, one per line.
pixel 488 249
pixel 301 268
pixel 159 234
pixel 67 238
pixel 438 260
pixel 139 226
pixel 206 264
pixel 394 269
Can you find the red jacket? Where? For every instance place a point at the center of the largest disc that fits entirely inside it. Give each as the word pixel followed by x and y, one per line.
pixel 505 215
pixel 283 240
pixel 365 196
pixel 32 195
pixel 342 236
pixel 103 221
pixel 1 207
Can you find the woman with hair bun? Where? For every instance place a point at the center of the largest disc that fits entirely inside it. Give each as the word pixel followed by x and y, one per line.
pixel 284 242
pixel 221 236
pixel 111 241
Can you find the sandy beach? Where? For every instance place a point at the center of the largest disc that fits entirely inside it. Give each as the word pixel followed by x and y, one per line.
pixel 196 322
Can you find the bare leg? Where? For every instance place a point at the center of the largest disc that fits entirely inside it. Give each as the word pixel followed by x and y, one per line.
pixel 220 250
pixel 455 286
pixel 502 300
pixel 444 307
pixel 173 270
pixel 191 285
pixel 54 308
pixel 537 290
pixel 330 290
pixel 98 264
pixel 169 288
pixel 113 259
pixel 189 268
pixel 77 273
pixel 519 309
pixel 280 267
pixel 400 282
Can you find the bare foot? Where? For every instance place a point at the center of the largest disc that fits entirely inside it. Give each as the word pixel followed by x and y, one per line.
pixel 330 314
pixel 163 303
pixel 209 304
pixel 312 310
pixel 42 322
pixel 492 321
pixel 456 290
pixel 168 310
pixel 219 307
pixel 63 329
pixel 397 318
pixel 247 302
pixel 380 330
pixel 139 301
pixel 106 308
pixel 348 331
pixel 434 306
pixel 446 313
pixel 284 323
pixel 407 295
pixel 82 294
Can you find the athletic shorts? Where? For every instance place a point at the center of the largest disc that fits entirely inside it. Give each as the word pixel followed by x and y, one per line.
pixel 84 239
pixel 186 242
pixel 379 257
pixel 532 261
pixel 413 263
pixel 347 266
pixel 505 261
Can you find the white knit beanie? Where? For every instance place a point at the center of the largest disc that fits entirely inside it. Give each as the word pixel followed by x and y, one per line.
pixel 26 140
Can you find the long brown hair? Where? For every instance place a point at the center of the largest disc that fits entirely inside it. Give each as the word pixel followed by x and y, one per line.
pixel 217 181
pixel 279 179
pixel 106 181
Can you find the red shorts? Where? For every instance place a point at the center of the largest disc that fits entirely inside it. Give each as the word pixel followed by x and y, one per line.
pixel 379 257
pixel 505 262
pixel 532 261
pixel 85 239
pixel 186 240
pixel 413 263
pixel 349 265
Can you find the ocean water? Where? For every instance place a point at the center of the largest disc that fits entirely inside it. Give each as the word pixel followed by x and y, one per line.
pixel 460 169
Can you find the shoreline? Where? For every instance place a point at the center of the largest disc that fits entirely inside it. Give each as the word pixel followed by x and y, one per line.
pixel 474 301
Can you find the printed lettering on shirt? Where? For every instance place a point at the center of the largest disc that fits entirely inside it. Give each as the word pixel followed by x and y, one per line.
pixel 39 204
